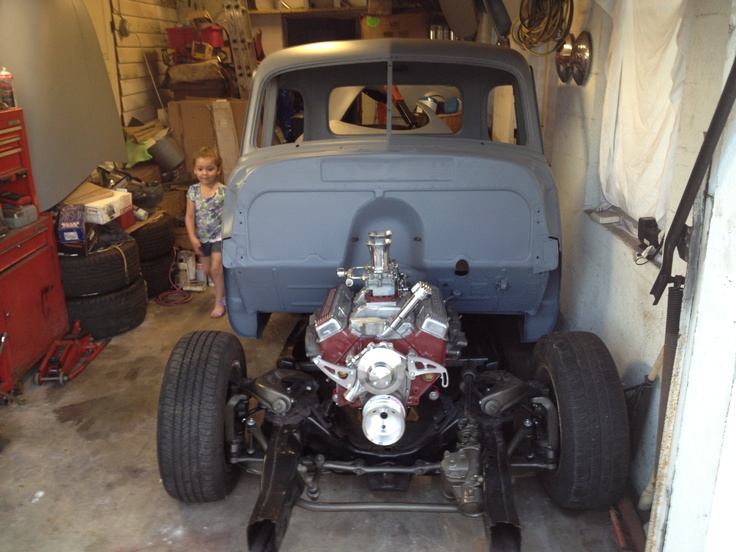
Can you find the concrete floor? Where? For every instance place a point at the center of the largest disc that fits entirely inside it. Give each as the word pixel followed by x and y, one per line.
pixel 79 471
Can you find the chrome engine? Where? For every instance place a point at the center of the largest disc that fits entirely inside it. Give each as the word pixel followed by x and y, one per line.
pixel 382 344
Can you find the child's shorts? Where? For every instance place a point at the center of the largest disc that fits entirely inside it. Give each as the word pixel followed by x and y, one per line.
pixel 210 247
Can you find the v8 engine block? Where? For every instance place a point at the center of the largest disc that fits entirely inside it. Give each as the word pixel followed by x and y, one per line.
pixel 384 346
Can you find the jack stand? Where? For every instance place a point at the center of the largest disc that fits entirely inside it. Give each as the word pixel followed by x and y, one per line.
pixel 68 356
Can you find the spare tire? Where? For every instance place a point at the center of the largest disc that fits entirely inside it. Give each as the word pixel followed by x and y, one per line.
pixel 103 271
pixel 110 314
pixel 156 237
pixel 157 273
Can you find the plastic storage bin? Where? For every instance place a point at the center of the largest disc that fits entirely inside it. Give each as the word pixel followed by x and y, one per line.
pixel 182 37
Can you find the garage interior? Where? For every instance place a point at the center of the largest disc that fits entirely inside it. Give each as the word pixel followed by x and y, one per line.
pixel 91 78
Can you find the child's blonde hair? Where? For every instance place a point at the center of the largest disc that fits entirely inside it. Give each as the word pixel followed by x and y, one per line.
pixel 206 152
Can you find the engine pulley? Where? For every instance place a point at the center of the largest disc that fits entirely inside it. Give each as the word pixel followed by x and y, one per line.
pixel 383 419
pixel 381 370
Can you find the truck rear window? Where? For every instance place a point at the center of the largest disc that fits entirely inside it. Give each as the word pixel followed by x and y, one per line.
pixel 430 108
pixel 403 98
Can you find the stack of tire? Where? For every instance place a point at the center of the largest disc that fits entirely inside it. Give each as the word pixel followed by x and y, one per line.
pixel 104 290
pixel 155 241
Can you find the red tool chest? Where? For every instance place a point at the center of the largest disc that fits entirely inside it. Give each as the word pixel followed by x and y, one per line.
pixel 15 161
pixel 32 305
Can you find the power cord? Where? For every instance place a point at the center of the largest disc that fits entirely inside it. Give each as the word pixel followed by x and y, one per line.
pixel 541 22
pixel 173 297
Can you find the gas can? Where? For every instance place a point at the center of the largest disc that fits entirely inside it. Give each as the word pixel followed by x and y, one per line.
pixel 7 92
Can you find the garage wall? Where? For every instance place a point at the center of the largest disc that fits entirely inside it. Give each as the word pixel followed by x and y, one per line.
pixel 100 12
pixel 604 290
pixel 140 66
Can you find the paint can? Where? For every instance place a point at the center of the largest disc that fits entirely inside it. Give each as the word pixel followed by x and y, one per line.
pixel 167 153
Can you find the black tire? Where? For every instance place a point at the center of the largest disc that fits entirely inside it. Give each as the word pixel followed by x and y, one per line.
pixel 198 382
pixel 156 237
pixel 156 273
pixel 110 314
pixel 110 269
pixel 594 435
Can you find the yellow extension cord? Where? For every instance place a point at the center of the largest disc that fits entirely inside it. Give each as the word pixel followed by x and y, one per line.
pixel 541 22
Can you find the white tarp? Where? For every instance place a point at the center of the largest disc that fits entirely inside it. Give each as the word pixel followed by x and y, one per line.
pixel 645 72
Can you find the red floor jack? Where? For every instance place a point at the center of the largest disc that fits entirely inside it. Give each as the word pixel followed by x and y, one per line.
pixel 68 356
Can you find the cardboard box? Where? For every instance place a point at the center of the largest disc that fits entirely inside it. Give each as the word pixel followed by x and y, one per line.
pixel 108 208
pixel 293 5
pixel 70 225
pixel 211 88
pixel 87 192
pixel 197 122
pixel 101 205
pixel 380 7
pixel 400 25
pixel 265 5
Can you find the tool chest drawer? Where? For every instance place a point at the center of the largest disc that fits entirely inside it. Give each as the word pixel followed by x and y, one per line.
pixel 16 179
pixel 11 157
pixel 21 243
pixel 11 143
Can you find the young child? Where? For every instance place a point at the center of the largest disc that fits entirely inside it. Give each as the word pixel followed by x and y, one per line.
pixel 205 202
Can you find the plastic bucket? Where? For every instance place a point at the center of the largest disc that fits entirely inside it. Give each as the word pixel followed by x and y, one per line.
pixel 167 153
